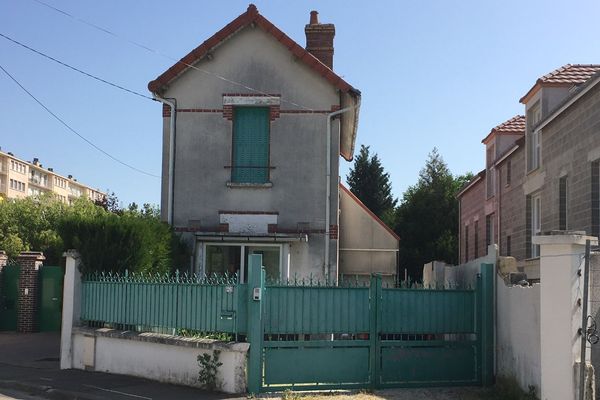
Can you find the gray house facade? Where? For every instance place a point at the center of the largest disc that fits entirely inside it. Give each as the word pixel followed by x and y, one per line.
pixel 548 177
pixel 253 129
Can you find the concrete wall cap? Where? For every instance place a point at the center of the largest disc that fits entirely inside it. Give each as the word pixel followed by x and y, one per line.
pixel 567 238
pixel 38 255
pixel 71 253
pixel 209 344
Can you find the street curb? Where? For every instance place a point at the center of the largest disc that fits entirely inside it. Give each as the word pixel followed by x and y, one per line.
pixel 46 391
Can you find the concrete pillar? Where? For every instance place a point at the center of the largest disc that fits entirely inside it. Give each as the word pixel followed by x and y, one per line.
pixel 30 263
pixel 562 257
pixel 3 262
pixel 71 307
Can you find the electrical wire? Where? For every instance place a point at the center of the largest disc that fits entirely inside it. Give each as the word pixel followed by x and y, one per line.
pixel 74 68
pixel 154 51
pixel 73 130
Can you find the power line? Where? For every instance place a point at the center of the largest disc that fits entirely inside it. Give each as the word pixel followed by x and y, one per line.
pixel 151 50
pixel 74 68
pixel 73 130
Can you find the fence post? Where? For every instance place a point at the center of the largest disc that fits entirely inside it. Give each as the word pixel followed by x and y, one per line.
pixel 486 291
pixel 256 293
pixel 71 307
pixel 374 324
pixel 562 273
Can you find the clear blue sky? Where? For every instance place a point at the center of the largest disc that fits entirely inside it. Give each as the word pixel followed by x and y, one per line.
pixel 432 73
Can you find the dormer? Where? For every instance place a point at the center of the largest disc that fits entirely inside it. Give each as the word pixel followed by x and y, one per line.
pixel 544 96
pixel 500 139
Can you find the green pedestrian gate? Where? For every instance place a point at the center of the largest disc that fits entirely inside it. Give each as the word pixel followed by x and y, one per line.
pixel 323 337
pixel 9 294
pixel 51 292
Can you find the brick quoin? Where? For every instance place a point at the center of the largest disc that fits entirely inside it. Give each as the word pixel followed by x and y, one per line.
pixel 166 111
pixel 29 262
pixel 333 232
pixel 228 112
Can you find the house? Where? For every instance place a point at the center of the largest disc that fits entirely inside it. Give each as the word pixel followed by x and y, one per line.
pixel 20 178
pixel 253 129
pixel 546 177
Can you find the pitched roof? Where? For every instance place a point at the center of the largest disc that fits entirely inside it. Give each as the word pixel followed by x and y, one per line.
pixel 567 75
pixel 471 184
pixel 513 126
pixel 250 16
pixel 350 96
pixel 371 214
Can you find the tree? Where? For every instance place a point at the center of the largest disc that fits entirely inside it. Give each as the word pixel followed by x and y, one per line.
pixel 427 218
pixel 371 184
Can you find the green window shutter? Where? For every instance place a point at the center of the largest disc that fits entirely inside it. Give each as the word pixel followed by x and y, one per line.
pixel 250 145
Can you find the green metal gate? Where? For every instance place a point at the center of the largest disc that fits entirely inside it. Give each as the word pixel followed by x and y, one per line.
pixel 51 292
pixel 9 295
pixel 307 337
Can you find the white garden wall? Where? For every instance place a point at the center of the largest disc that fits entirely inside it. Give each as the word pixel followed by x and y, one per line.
pixel 518 333
pixel 159 357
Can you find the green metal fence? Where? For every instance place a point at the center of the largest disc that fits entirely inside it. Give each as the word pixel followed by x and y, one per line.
pixel 309 335
pixel 164 302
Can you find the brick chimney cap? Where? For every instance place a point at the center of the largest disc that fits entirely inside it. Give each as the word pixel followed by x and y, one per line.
pixel 314 17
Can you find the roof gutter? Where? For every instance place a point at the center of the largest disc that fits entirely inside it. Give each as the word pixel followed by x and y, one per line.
pixel 171 179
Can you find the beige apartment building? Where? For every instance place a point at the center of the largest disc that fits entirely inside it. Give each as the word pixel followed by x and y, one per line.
pixel 20 178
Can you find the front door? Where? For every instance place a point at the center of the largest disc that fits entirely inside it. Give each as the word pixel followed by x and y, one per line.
pixel 51 289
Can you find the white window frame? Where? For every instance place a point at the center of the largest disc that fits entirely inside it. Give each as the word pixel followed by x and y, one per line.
pixel 536 222
pixel 534 138
pixel 243 246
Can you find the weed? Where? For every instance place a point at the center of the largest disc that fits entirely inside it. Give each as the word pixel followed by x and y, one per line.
pixel 209 365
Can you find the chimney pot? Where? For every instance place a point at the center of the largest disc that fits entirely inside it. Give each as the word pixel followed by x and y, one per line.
pixel 314 17
pixel 70 176
pixel 50 169
pixel 36 161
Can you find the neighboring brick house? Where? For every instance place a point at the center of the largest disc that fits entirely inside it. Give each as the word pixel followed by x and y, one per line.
pixel 548 175
pixel 253 129
pixel 480 200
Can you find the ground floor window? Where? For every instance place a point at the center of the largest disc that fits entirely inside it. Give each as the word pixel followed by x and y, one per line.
pixel 220 259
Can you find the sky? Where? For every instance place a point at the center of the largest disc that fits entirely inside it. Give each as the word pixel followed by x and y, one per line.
pixel 432 74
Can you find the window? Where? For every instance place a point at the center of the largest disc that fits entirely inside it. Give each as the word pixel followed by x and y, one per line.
pixel 536 222
pixel 490 175
pixel 534 115
pixel 562 203
pixel 250 145
pixel 62 183
pixel 17 185
pixel 508 172
pixel 466 243
pixel 476 239
pixel 232 258
pixel 489 230
pixel 17 166
pixel 508 245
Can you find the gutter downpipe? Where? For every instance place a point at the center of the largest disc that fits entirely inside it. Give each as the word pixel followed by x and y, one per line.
pixel 328 183
pixel 171 103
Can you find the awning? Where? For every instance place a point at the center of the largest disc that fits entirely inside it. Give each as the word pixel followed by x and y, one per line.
pixel 244 237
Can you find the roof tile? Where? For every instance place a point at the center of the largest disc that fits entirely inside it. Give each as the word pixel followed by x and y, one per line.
pixel 569 74
pixel 513 126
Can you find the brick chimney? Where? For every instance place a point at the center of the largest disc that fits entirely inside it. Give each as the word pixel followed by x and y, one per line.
pixel 319 39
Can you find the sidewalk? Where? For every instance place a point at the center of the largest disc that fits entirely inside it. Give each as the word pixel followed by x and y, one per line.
pixel 29 363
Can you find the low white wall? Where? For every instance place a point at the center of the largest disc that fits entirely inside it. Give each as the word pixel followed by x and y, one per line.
pixel 163 358
pixel 518 333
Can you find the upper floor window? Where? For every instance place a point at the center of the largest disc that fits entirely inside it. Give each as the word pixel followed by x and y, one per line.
pixel 536 222
pixel 250 145
pixel 563 198
pixel 17 185
pixel 490 173
pixel 534 145
pixel 17 166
